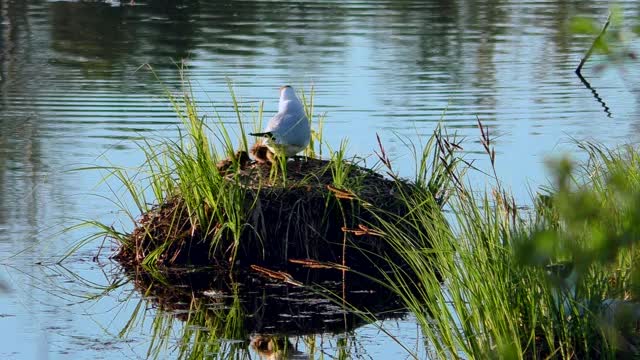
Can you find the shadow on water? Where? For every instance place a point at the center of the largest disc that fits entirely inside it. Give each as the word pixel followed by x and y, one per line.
pixel 224 315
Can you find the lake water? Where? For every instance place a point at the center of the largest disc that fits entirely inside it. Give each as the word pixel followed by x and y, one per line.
pixel 73 94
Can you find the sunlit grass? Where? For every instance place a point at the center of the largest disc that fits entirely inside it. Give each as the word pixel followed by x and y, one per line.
pixel 496 282
pixel 186 168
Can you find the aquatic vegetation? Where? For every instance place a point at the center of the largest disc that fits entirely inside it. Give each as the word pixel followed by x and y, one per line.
pixel 484 278
pixel 556 281
pixel 200 199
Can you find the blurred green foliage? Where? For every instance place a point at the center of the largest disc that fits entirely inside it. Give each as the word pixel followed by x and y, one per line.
pixel 615 41
pixel 590 214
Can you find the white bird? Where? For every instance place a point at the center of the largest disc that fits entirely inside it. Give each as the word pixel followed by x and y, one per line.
pixel 288 132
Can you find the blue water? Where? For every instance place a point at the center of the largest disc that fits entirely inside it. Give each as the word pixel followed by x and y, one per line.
pixel 73 94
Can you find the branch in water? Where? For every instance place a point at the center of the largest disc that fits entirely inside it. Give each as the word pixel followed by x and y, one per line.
pixel 593 45
pixel 584 60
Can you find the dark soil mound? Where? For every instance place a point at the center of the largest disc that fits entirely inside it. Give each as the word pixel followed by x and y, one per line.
pixel 307 217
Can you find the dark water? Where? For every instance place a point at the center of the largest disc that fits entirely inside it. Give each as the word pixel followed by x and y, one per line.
pixel 72 94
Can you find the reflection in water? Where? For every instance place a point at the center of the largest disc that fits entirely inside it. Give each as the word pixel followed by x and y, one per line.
pixel 99 38
pixel 222 314
pixel 71 92
pixel 21 165
pixel 595 94
pixel 276 347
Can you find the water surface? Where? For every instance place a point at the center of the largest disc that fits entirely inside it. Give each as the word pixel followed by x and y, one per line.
pixel 72 94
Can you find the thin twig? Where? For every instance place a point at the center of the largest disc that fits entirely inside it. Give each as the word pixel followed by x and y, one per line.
pixel 315 264
pixel 584 60
pixel 341 194
pixel 362 230
pixel 276 275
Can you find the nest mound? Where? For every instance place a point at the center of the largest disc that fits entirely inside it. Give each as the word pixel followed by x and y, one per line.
pixel 305 217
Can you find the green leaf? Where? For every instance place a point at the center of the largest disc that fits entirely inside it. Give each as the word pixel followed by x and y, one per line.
pixel 583 25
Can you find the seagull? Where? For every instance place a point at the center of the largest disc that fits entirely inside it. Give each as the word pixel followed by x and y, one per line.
pixel 288 132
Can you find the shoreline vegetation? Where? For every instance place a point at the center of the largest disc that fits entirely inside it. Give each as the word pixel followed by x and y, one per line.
pixel 483 277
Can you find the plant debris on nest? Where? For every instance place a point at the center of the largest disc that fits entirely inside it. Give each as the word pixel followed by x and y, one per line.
pixel 305 217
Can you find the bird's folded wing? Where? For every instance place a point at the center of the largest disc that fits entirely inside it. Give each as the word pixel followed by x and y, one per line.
pixel 284 123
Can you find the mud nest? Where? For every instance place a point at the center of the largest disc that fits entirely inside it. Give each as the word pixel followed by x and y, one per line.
pixel 305 217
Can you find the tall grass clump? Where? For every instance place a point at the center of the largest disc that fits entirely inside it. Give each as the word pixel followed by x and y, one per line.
pixel 184 177
pixel 190 207
pixel 489 280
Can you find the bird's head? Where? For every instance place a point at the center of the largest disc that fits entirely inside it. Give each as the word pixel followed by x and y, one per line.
pixel 287 93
